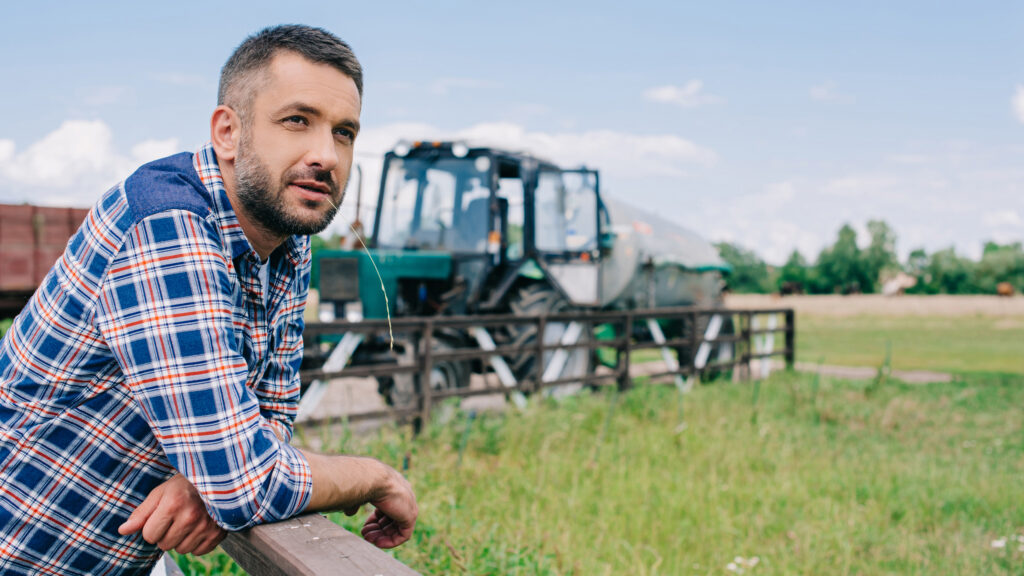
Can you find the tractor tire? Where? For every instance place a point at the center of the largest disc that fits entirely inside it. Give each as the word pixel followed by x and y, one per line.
pixel 400 391
pixel 686 355
pixel 535 300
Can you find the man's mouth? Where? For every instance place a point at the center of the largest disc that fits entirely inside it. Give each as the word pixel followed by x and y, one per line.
pixel 313 186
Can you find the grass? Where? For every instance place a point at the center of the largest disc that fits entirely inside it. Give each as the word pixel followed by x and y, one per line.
pixel 829 477
pixel 960 345
pixel 971 344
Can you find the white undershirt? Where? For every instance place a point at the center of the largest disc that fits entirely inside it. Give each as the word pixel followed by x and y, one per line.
pixel 265 281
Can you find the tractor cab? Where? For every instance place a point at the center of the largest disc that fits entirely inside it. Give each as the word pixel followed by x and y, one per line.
pixel 496 214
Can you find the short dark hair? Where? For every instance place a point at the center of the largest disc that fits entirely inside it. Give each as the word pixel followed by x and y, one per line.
pixel 251 57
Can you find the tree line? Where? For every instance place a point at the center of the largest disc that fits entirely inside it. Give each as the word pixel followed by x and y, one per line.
pixel 844 267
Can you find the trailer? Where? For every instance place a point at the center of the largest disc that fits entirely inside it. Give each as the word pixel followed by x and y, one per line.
pixel 32 238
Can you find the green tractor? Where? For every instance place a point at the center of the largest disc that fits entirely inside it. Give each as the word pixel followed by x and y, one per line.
pixel 463 230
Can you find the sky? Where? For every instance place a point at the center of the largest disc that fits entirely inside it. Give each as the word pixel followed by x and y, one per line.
pixel 766 124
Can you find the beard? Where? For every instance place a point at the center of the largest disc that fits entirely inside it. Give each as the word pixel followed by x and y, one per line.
pixel 267 207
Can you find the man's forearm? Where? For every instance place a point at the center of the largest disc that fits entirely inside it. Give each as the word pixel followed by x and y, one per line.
pixel 341 482
pixel 348 482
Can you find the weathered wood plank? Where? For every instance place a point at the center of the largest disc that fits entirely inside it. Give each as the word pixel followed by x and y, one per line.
pixel 309 545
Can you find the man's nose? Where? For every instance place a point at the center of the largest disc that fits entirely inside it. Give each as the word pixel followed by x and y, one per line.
pixel 323 151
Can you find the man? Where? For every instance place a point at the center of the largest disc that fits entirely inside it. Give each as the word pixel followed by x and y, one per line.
pixel 148 390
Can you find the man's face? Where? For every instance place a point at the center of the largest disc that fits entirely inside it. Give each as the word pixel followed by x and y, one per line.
pixel 295 151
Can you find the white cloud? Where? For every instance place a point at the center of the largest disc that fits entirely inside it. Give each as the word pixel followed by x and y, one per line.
pixel 1003 219
pixel 1018 103
pixel 149 150
pixel 71 165
pixel 827 92
pixel 689 95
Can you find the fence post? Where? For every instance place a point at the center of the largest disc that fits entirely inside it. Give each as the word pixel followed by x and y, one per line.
pixel 625 350
pixel 748 342
pixel 426 365
pixel 538 364
pixel 790 339
pixel 696 339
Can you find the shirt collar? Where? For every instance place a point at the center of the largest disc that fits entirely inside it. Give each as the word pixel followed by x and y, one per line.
pixel 205 163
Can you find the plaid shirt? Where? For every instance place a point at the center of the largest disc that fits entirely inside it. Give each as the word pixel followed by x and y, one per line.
pixel 147 350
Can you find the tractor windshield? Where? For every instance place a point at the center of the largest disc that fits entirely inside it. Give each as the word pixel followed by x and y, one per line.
pixel 436 204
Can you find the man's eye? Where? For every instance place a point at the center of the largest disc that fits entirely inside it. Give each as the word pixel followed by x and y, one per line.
pixel 295 120
pixel 344 133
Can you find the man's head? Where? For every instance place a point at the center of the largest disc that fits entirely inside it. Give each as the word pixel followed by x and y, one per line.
pixel 245 70
pixel 287 118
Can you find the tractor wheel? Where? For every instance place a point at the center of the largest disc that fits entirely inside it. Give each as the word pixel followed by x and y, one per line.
pixel 400 390
pixel 535 300
pixel 686 355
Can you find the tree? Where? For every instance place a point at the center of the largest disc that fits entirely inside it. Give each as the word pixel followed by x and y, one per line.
pixel 880 257
pixel 750 275
pixel 795 273
pixel 999 263
pixel 840 267
pixel 948 273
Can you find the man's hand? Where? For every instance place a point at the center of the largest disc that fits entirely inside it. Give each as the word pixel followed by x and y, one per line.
pixel 174 518
pixel 392 522
pixel 347 482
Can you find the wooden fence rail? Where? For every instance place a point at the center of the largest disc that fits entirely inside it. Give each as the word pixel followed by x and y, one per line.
pixel 309 545
pixel 423 332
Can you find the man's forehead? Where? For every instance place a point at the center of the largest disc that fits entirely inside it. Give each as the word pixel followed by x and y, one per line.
pixel 292 77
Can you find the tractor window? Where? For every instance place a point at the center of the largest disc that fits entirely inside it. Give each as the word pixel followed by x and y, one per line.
pixel 511 189
pixel 549 214
pixel 580 210
pixel 434 205
pixel 566 215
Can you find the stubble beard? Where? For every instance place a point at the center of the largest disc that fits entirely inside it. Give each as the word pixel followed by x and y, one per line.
pixel 253 188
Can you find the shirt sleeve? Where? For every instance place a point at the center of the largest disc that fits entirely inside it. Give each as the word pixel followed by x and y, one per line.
pixel 278 390
pixel 166 311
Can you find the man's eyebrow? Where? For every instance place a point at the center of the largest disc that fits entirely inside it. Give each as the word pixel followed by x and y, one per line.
pixel 314 111
pixel 352 125
pixel 300 107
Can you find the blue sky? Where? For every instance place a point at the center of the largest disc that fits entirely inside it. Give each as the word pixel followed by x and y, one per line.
pixel 766 124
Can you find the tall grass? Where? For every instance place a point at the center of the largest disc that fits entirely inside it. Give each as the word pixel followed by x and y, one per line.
pixel 830 478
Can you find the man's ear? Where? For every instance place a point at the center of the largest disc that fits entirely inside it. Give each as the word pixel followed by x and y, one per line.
pixel 225 132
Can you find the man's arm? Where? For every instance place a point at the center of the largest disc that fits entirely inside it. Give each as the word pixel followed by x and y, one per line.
pixel 348 482
pixel 174 517
pixel 167 311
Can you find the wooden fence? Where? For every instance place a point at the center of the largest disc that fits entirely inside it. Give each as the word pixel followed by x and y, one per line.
pixel 632 329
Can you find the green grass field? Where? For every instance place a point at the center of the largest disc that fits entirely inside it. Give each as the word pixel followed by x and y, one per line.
pixel 816 477
pixel 982 344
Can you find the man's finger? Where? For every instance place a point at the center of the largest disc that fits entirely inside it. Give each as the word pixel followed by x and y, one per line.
pixel 210 543
pixel 156 526
pixel 138 517
pixel 185 521
pixel 195 538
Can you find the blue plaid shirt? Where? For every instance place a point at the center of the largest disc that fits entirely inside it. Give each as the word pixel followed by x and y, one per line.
pixel 147 350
